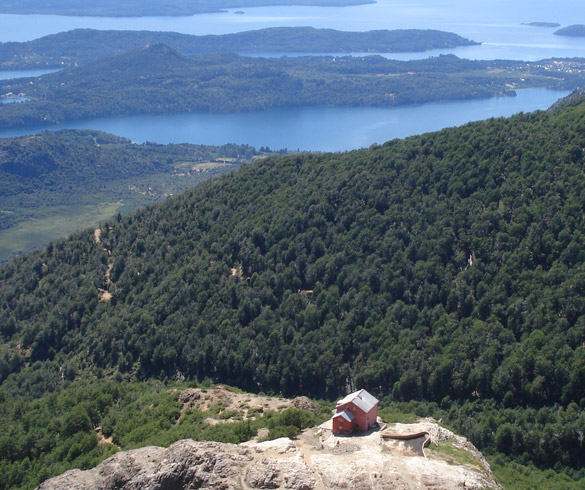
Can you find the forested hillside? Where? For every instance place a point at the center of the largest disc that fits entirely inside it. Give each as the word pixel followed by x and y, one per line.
pixel 444 269
pixel 56 167
pixel 85 45
pixel 53 183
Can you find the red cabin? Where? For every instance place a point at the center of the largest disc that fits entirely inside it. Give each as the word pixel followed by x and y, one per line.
pixel 357 411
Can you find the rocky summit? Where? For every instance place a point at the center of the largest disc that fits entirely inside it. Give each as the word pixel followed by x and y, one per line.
pixel 315 460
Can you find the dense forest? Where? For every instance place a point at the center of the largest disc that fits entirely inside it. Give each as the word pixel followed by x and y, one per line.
pixel 159 79
pixel 84 45
pixel 52 177
pixel 140 8
pixel 443 271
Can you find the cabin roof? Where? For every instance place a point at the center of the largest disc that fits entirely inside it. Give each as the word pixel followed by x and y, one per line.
pixel 346 414
pixel 362 399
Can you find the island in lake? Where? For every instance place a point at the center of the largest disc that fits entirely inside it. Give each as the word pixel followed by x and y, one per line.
pixel 542 24
pixel 576 30
pixel 83 45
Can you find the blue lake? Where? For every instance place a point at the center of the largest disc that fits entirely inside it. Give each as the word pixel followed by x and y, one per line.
pixel 495 23
pixel 498 24
pixel 11 74
pixel 311 128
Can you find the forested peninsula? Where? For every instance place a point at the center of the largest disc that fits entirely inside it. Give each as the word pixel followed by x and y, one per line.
pixel 141 8
pixel 159 79
pixel 85 45
pixel 442 272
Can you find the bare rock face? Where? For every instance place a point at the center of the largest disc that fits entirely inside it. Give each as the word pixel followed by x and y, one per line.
pixel 316 460
pixel 185 464
pixel 275 473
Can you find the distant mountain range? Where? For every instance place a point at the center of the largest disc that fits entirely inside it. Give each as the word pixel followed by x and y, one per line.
pixel 140 8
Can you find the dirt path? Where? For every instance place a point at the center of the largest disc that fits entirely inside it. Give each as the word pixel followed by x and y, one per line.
pixel 105 440
pixel 105 294
pixel 310 445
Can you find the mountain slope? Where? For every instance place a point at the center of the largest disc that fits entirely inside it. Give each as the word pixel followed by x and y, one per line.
pixel 445 268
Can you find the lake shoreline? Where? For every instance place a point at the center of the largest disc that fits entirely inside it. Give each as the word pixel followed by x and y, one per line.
pixel 308 128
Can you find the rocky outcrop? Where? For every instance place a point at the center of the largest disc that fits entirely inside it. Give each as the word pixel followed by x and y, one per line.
pixel 314 461
pixel 303 403
pixel 572 99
